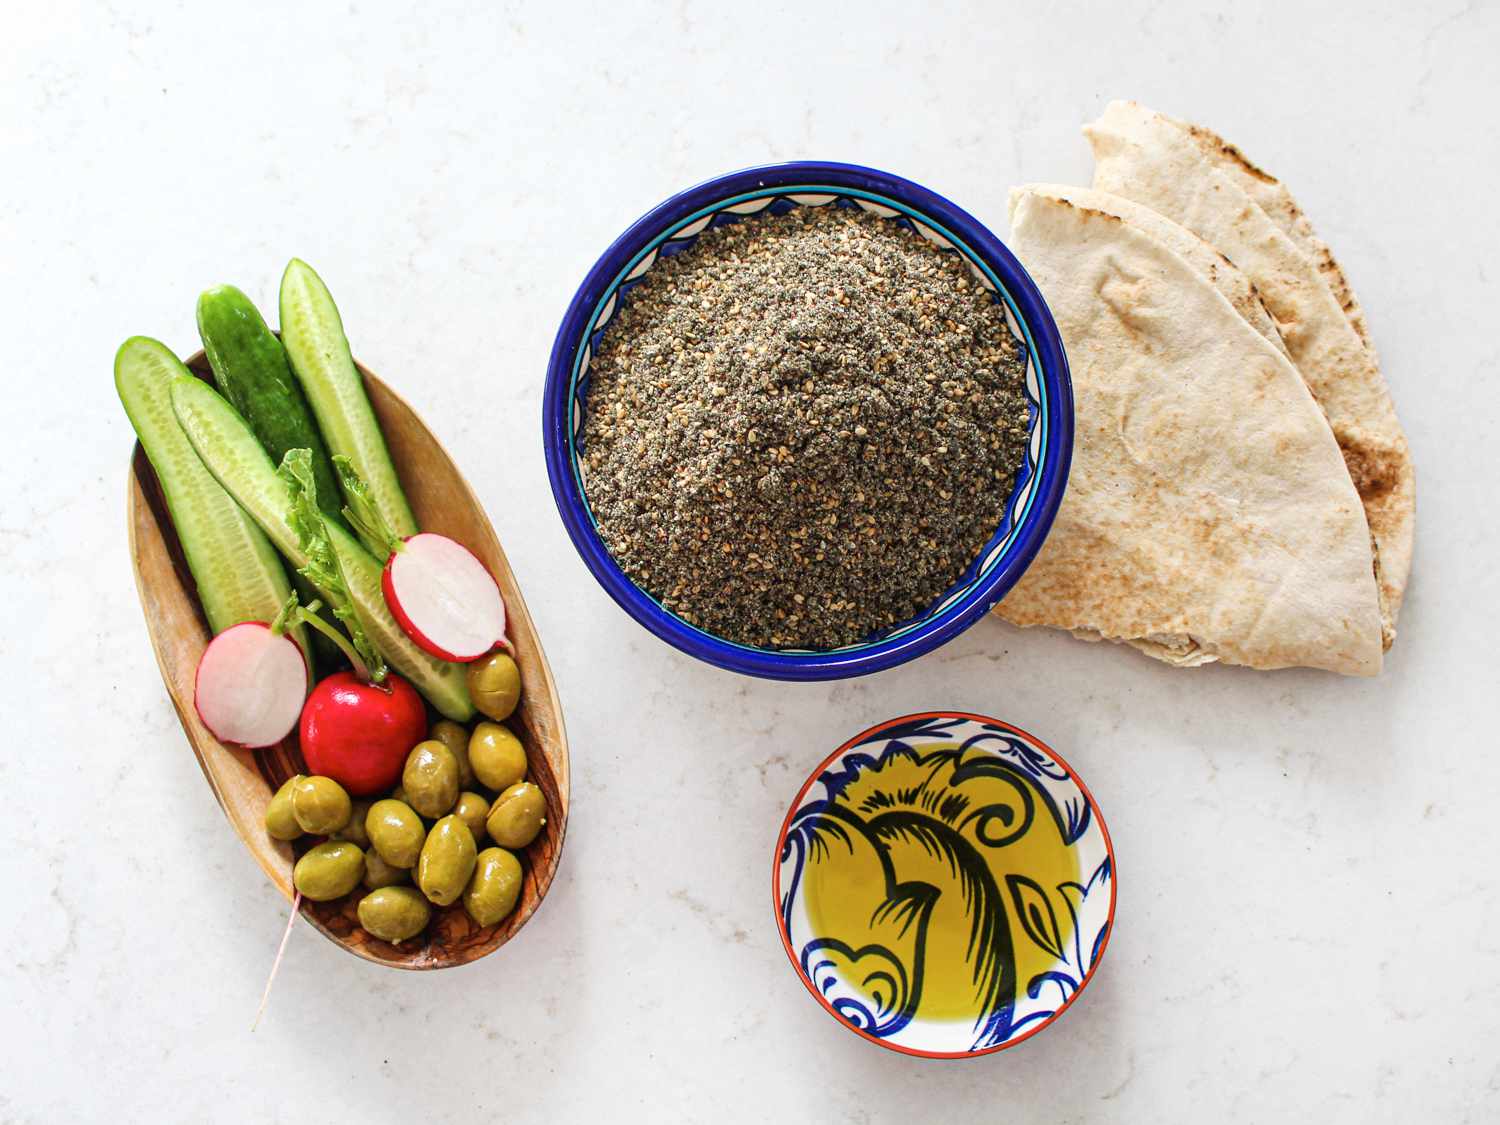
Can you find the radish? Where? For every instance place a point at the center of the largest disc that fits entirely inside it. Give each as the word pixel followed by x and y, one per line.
pixel 356 728
pixel 444 597
pixel 438 591
pixel 359 733
pixel 250 684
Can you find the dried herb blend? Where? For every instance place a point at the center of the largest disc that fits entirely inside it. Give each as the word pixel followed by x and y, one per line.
pixel 802 429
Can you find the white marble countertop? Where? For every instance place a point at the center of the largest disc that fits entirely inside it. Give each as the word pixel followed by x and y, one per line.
pixel 1309 914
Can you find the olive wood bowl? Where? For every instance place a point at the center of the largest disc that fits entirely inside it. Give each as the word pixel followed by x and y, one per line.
pixel 244 780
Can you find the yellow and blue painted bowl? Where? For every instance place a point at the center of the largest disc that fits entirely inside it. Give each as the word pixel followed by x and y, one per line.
pixel 944 885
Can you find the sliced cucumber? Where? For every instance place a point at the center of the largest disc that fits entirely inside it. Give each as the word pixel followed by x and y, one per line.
pixel 242 466
pixel 238 574
pixel 314 338
pixel 252 371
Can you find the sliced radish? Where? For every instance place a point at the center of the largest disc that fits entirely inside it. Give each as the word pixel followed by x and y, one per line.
pixel 250 685
pixel 444 598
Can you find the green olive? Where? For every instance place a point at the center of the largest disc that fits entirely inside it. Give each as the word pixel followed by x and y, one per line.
pixel 281 823
pixel 494 888
pixel 399 794
pixel 517 815
pixel 472 809
pixel 354 831
pixel 495 685
pixel 379 873
pixel 396 832
pixel 447 861
pixel 320 805
pixel 455 738
pixel 430 778
pixel 394 913
pixel 498 758
pixel 329 870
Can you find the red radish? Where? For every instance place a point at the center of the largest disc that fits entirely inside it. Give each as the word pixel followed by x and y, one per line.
pixel 444 597
pixel 359 733
pixel 250 685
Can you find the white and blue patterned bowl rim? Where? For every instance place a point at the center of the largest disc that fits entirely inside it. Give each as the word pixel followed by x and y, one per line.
pixel 1039 481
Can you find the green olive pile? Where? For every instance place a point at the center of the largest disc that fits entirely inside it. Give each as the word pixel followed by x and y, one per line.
pixel 458 788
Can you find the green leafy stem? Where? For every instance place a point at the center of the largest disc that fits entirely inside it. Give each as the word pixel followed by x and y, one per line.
pixel 323 569
pixel 362 513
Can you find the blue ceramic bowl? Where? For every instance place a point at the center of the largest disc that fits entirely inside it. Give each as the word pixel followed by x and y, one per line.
pixel 671 228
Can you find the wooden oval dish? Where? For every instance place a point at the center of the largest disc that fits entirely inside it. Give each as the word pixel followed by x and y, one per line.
pixel 243 780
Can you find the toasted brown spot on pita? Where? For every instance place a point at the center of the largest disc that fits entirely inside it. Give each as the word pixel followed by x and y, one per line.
pixel 1374 469
pixel 1091 212
pixel 1229 150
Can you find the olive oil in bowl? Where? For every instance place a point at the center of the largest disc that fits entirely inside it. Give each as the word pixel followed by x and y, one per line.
pixel 972 926
pixel 945 885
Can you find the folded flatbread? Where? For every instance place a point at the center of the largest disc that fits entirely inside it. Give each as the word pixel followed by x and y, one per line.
pixel 1209 515
pixel 1277 202
pixel 1195 179
pixel 1206 261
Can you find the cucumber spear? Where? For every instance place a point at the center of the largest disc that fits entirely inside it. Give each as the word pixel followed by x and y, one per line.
pixel 235 568
pixel 313 334
pixel 252 371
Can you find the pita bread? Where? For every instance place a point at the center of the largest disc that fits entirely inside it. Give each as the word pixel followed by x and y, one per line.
pixel 1208 515
pixel 1277 202
pixel 1206 261
pixel 1154 160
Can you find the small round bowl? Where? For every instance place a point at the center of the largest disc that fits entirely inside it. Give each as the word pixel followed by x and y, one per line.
pixel 944 885
pixel 739 196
